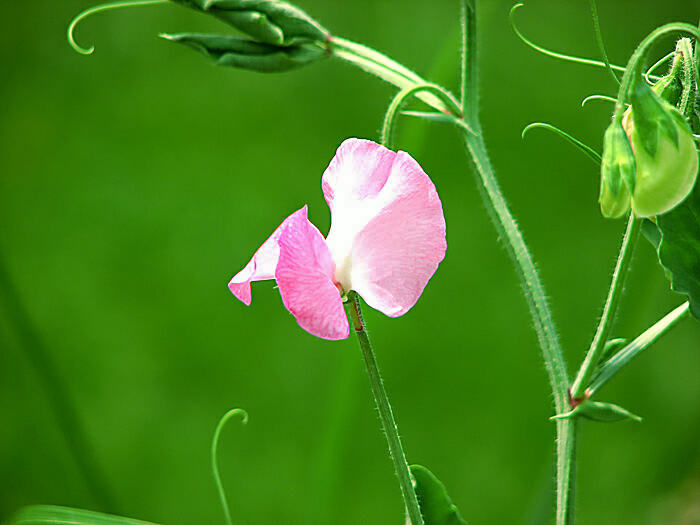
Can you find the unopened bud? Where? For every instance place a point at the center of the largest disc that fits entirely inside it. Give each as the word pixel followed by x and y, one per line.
pixel 617 172
pixel 664 151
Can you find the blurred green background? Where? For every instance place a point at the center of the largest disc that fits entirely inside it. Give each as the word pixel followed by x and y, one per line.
pixel 135 182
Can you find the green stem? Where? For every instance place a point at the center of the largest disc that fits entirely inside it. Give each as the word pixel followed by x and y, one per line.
pixel 641 343
pixel 385 414
pixel 527 272
pixel 525 267
pixel 469 99
pixel 601 336
pixel 542 319
pixel 505 224
pixel 566 470
pixel 57 395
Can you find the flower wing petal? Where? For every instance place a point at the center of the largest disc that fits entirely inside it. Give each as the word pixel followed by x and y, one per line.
pixel 304 275
pixel 263 264
pixel 399 246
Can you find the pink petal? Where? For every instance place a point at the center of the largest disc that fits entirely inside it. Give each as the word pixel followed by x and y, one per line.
pixel 305 278
pixel 387 226
pixel 263 264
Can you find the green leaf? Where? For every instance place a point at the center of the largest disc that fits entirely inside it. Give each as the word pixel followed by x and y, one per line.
pixel 53 515
pixel 435 505
pixel 677 236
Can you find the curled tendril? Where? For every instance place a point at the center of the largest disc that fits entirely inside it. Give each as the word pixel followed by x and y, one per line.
pixel 647 75
pixel 214 464
pixel 597 97
pixel 404 95
pixel 601 46
pixel 590 152
pixel 554 54
pixel 99 9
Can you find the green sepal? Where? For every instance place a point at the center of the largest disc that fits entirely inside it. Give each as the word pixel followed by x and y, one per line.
pixel 435 504
pixel 652 116
pixel 676 237
pixel 598 411
pixel 617 172
pixel 695 121
pixel 54 515
pixel 272 22
pixel 231 51
pixel 669 88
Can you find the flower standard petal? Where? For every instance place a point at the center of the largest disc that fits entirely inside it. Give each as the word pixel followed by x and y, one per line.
pixel 263 264
pixel 304 275
pixel 388 229
pixel 352 185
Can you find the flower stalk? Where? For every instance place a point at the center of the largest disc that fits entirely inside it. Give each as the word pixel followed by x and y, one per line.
pixel 385 413
pixel 601 336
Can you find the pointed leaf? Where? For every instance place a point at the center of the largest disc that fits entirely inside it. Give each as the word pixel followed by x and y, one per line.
pixel 54 515
pixel 435 504
pixel 604 412
pixel 678 247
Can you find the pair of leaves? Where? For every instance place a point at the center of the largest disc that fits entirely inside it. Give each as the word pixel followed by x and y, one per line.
pixel 273 22
pixel 283 36
pixel 601 412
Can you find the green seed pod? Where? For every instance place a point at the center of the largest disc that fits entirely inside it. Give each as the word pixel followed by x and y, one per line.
pixel 617 172
pixel 237 52
pixel 273 22
pixel 664 151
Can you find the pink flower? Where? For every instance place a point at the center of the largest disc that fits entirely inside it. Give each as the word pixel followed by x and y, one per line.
pixel 386 240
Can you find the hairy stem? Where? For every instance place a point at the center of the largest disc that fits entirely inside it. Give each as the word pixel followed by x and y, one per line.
pixel 601 336
pixel 519 253
pixel 385 413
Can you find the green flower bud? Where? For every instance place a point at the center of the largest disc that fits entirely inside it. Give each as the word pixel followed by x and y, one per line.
pixel 273 22
pixel 664 151
pixel 617 172
pixel 237 52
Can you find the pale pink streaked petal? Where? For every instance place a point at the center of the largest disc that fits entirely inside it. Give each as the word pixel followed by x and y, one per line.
pixel 305 278
pixel 387 233
pixel 352 185
pixel 263 264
